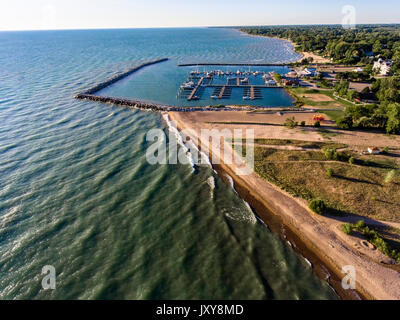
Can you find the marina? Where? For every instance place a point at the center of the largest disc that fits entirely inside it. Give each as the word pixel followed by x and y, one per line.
pixel 202 90
pixel 251 84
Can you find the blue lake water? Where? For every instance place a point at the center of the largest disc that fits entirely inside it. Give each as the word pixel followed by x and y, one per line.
pixel 77 192
pixel 144 85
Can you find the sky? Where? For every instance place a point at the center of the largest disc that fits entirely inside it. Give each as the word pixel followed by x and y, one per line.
pixel 91 14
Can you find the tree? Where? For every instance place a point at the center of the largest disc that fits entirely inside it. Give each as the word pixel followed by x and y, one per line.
pixel 342 87
pixel 387 90
pixel 351 95
pixel 368 69
pixel 393 122
pixel 377 47
pixel 345 122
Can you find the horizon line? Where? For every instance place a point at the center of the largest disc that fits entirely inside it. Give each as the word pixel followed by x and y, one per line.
pixel 193 27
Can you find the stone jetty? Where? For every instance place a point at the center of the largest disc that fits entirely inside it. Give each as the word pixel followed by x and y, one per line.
pixel 120 76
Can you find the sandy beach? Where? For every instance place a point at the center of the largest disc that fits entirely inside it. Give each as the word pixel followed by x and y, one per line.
pixel 317 58
pixel 321 235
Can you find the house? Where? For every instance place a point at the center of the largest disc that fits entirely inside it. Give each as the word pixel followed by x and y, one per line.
pixel 382 66
pixel 308 72
pixel 291 82
pixel 292 74
pixel 373 150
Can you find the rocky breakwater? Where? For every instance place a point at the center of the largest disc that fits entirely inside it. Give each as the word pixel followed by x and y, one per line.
pixel 120 76
pixel 123 102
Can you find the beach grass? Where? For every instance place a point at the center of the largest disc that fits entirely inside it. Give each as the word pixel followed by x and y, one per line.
pixel 353 189
pixel 299 143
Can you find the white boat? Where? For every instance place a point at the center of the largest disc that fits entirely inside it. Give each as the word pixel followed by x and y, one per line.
pixel 244 80
pixel 246 98
pixel 214 97
pixel 188 85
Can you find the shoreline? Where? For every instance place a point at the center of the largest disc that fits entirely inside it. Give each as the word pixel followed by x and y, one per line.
pixel 304 54
pixel 313 236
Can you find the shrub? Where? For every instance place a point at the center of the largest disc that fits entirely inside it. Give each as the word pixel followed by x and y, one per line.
pixel 351 160
pixel 347 228
pixel 330 154
pixel 330 173
pixel 318 206
pixel 290 123
pixel 317 124
pixel 385 150
pixel 390 176
pixel 303 123
pixel 345 122
pixel 373 237
pixel 359 224
pixel 343 156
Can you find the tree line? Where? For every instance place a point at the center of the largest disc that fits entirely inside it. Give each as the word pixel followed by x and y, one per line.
pixel 385 115
pixel 347 46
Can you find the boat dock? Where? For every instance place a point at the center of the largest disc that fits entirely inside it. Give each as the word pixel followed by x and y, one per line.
pixel 192 95
pixel 224 82
pixel 225 92
pixel 234 64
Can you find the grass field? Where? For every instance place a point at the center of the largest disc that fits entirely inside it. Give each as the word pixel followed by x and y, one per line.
pixel 298 143
pixel 332 114
pixel 363 190
pixel 301 94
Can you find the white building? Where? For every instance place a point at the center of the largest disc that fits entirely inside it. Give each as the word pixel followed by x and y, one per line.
pixel 308 73
pixel 292 74
pixel 373 150
pixel 382 66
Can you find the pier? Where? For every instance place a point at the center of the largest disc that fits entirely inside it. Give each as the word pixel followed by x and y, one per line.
pixel 221 94
pixel 121 76
pixel 123 102
pixel 192 95
pixel 235 64
pixel 89 94
pixel 134 104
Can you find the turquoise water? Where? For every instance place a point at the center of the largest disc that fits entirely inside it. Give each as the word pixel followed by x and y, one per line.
pixel 145 86
pixel 204 46
pixel 77 192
